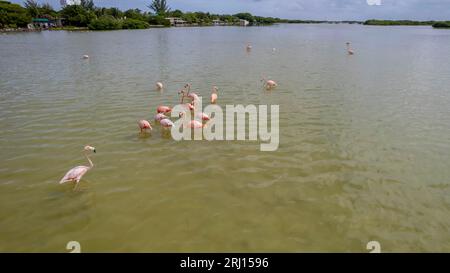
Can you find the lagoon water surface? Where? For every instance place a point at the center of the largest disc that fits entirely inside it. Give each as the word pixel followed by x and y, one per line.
pixel 364 141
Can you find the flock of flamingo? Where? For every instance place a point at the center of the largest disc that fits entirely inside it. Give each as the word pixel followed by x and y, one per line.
pixel 166 123
pixel 75 174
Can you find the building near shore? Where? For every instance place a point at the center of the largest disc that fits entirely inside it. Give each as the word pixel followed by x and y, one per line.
pixel 243 23
pixel 44 23
pixel 217 22
pixel 175 21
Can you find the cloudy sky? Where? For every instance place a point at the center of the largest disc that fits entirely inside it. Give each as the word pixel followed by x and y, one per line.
pixel 302 9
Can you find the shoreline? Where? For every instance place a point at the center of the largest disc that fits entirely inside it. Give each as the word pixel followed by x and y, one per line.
pixel 15 30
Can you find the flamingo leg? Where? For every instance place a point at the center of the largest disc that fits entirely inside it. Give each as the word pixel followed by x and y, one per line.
pixel 75 189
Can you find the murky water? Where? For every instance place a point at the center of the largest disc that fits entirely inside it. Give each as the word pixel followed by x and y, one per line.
pixel 364 141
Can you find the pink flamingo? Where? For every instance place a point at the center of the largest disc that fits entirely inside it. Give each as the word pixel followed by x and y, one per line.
pixel 200 116
pixel 269 84
pixel 75 174
pixel 349 50
pixel 192 96
pixel 144 125
pixel 248 47
pixel 195 124
pixel 159 86
pixel 214 95
pixel 187 106
pixel 160 116
pixel 166 123
pixel 163 109
pixel 203 116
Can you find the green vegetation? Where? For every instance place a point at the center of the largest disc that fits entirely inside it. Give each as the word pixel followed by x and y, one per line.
pixel 318 22
pixel 134 24
pixel 397 23
pixel 443 24
pixel 77 15
pixel 160 7
pixel 106 22
pixel 158 20
pixel 87 15
pixel 99 18
pixel 13 15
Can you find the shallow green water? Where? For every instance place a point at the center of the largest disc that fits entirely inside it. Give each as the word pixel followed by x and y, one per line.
pixel 364 141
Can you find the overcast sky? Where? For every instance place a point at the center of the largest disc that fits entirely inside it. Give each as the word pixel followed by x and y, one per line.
pixel 302 9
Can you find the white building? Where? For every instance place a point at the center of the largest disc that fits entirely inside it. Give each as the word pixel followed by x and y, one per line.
pixel 217 22
pixel 70 2
pixel 243 23
pixel 175 21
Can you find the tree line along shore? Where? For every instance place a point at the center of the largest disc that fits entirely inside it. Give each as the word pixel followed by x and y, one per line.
pixel 435 24
pixel 85 15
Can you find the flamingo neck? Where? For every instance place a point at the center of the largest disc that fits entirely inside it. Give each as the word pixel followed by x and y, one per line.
pixel 90 162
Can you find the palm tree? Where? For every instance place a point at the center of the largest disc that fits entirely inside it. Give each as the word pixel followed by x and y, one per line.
pixel 160 7
pixel 87 4
pixel 33 7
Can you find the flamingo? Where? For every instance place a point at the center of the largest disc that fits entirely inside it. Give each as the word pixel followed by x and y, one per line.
pixel 194 97
pixel 349 50
pixel 195 124
pixel 144 125
pixel 159 86
pixel 75 174
pixel 200 116
pixel 160 116
pixel 248 47
pixel 269 84
pixel 203 116
pixel 85 57
pixel 163 109
pixel 166 123
pixel 187 106
pixel 214 95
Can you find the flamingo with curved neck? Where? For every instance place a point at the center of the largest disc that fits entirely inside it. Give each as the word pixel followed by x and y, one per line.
pixel 269 84
pixel 75 174
pixel 214 95
pixel 349 50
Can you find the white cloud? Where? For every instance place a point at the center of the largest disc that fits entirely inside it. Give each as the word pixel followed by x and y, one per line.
pixel 374 2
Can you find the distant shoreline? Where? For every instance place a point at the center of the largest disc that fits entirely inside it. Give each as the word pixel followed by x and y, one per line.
pixel 382 23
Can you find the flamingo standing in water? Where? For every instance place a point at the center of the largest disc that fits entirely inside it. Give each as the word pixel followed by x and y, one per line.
pixel 160 116
pixel 194 97
pixel 159 86
pixel 203 116
pixel 269 84
pixel 248 47
pixel 214 95
pixel 144 125
pixel 163 109
pixel 75 174
pixel 187 106
pixel 349 50
pixel 166 123
pixel 195 124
